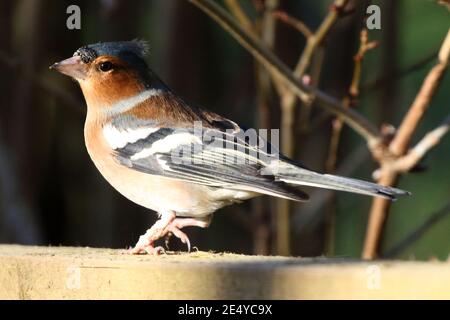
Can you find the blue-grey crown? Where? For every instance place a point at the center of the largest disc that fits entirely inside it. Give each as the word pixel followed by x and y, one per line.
pixel 120 49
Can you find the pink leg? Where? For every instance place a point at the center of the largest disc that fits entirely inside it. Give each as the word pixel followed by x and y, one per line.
pixel 158 230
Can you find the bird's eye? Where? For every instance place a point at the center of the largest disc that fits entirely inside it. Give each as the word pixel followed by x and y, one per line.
pixel 106 66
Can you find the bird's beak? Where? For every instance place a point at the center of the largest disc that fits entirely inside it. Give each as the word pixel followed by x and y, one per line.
pixel 73 67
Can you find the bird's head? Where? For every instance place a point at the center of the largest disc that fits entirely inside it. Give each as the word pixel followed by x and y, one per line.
pixel 110 72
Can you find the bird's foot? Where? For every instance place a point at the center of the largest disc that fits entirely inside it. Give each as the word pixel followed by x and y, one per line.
pixel 157 231
pixel 149 248
pixel 166 225
pixel 175 230
pixel 178 223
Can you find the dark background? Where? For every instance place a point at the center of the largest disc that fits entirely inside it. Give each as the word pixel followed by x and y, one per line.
pixel 51 194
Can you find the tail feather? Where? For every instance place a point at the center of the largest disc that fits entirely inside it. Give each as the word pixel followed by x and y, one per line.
pixel 299 176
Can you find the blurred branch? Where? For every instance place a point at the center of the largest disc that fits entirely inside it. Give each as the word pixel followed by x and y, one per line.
pixel 349 100
pixel 418 232
pixel 317 38
pixel 261 229
pixel 313 41
pixel 428 142
pixel 239 14
pixel 391 158
pixel 289 99
pixel 337 125
pixel 375 84
pixel 365 45
pixel 266 34
pixel 280 71
pixel 313 79
pixel 293 22
pixel 445 3
pixel 405 132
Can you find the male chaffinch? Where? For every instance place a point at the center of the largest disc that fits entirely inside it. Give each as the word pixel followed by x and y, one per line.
pixel 142 138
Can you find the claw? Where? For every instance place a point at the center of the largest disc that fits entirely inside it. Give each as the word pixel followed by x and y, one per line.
pixel 154 250
pixel 148 249
pixel 166 240
pixel 180 235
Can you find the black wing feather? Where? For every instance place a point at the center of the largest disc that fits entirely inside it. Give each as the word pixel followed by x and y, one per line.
pixel 209 163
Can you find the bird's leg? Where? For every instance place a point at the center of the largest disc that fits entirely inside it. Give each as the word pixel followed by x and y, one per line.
pixel 178 223
pixel 158 230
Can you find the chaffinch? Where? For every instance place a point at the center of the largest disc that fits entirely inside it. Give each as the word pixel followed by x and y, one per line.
pixel 175 158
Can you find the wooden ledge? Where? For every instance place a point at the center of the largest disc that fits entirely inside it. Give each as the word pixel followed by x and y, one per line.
pixel 85 273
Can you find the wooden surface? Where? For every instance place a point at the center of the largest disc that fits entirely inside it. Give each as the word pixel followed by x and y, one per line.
pixel 86 273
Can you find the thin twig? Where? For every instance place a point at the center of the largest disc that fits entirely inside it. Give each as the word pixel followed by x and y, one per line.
pixel 239 14
pixel 388 175
pixel 313 78
pixel 261 229
pixel 313 41
pixel 428 142
pixel 283 216
pixel 418 232
pixel 258 5
pixel 293 22
pixel 365 45
pixel 348 101
pixel 280 71
pixel 319 36
pixel 337 125
pixel 288 98
pixel 417 65
pixel 408 126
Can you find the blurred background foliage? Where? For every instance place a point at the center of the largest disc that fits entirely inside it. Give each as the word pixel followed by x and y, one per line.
pixel 51 194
